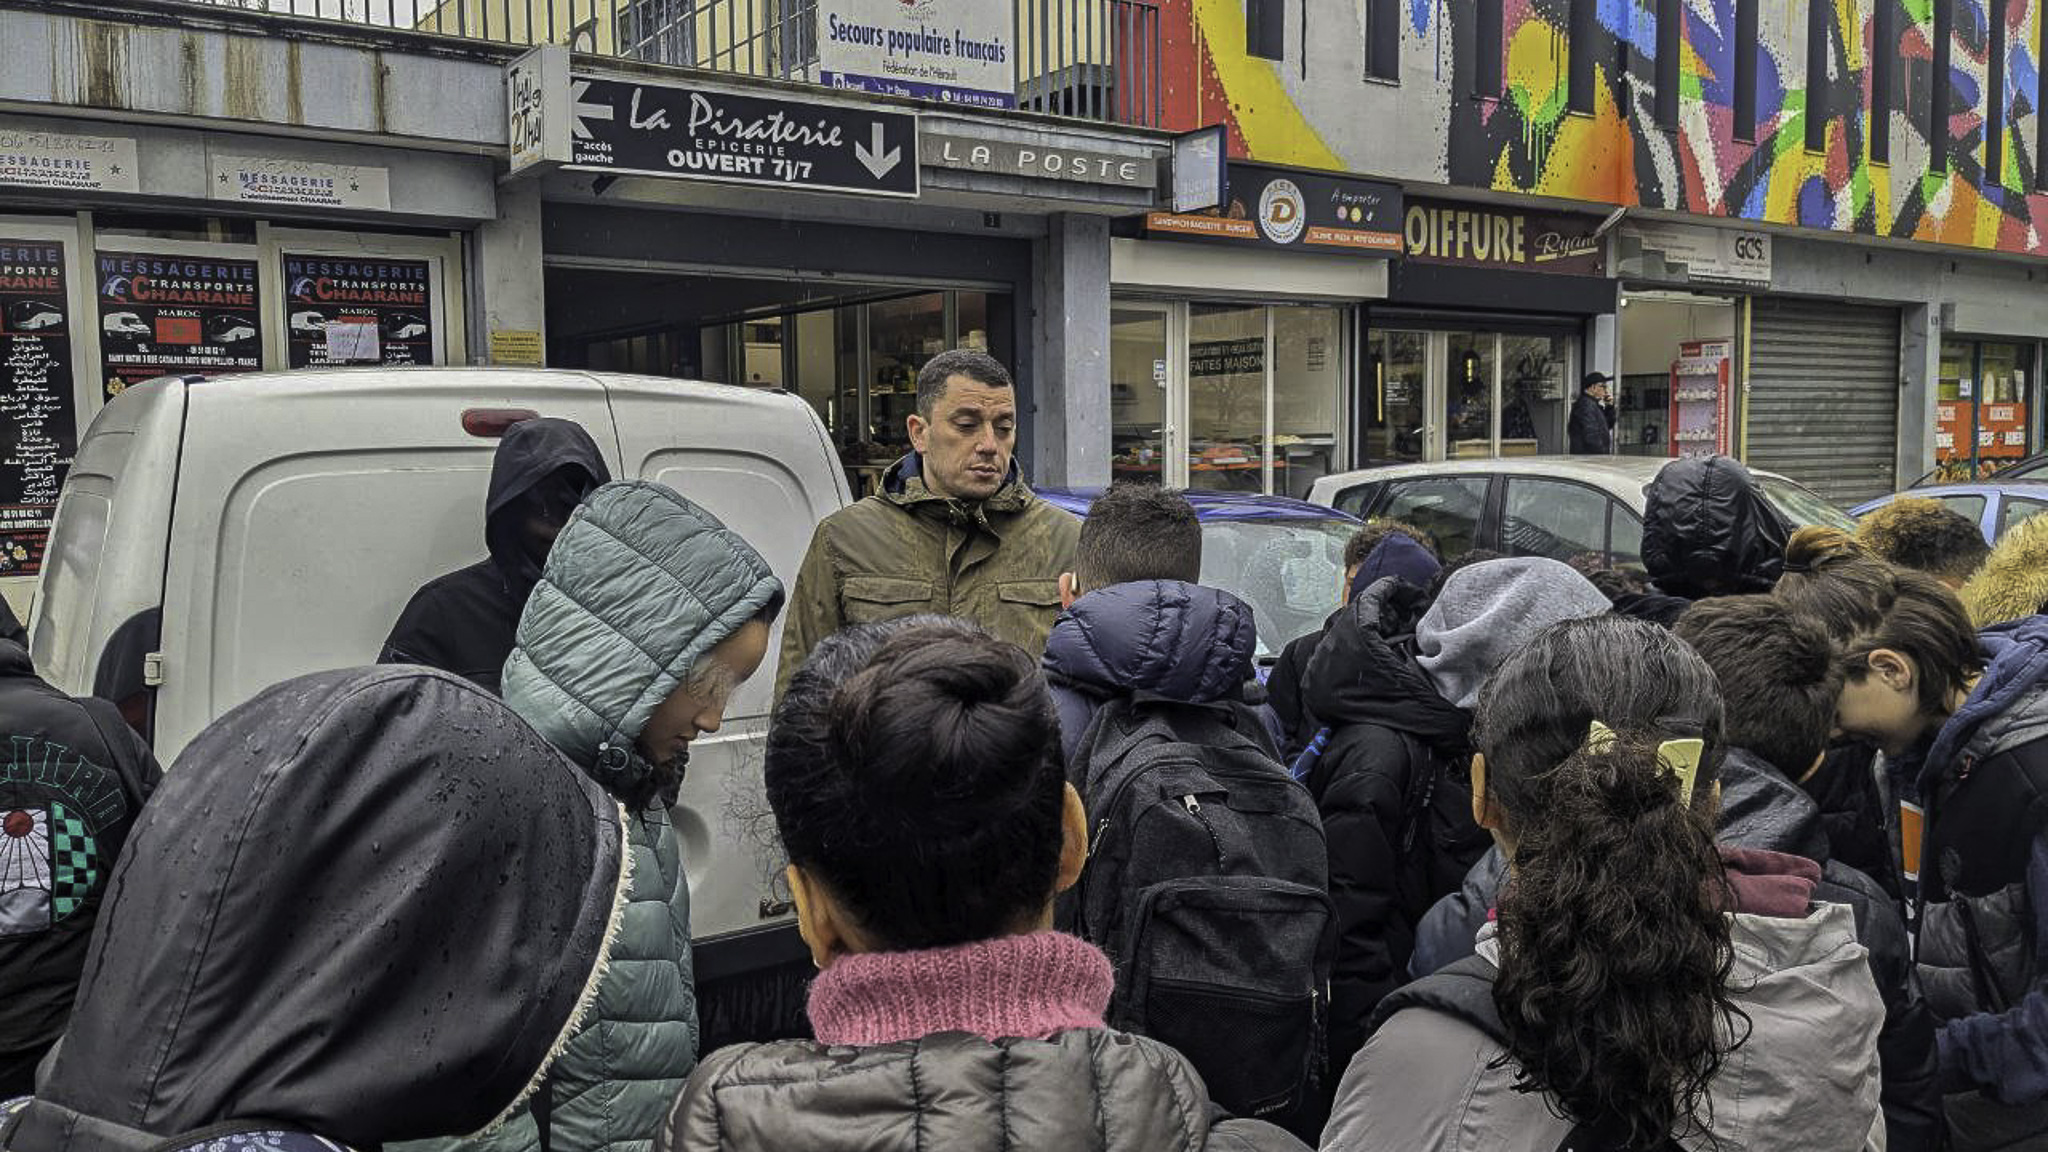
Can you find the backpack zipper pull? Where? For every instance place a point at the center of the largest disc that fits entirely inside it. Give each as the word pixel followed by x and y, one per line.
pixel 1193 805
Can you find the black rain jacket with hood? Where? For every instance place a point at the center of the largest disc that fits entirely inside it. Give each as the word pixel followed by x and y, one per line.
pixel 367 905
pixel 463 622
pixel 1709 531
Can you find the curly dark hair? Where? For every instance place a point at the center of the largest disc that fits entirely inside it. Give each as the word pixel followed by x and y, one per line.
pixel 1615 950
pixel 1376 530
pixel 914 769
pixel 1926 536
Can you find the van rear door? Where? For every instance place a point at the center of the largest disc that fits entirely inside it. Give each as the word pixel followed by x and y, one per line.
pixel 763 463
pixel 309 508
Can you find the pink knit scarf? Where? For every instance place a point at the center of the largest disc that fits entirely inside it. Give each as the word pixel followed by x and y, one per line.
pixel 1013 986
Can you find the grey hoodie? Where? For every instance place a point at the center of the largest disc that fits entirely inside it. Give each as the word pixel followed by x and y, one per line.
pixel 1805 1081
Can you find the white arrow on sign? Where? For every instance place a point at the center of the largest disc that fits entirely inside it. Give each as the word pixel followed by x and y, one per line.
pixel 579 110
pixel 877 162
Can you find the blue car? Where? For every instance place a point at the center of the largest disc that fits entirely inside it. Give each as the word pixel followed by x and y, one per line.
pixel 1993 505
pixel 1284 557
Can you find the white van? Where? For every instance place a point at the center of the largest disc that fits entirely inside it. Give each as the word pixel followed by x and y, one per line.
pixel 217 536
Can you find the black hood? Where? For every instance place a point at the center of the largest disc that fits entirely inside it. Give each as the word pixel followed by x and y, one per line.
pixel 531 451
pixel 1364 670
pixel 1708 531
pixel 1761 808
pixel 367 904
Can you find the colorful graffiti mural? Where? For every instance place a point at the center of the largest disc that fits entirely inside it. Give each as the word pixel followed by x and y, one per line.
pixel 1316 108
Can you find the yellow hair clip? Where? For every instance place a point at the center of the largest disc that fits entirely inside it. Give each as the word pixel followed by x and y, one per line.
pixel 1682 757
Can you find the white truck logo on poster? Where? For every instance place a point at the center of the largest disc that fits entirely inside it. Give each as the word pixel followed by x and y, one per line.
pixel 953 51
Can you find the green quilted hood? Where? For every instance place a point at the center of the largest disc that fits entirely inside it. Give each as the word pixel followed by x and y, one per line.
pixel 638 587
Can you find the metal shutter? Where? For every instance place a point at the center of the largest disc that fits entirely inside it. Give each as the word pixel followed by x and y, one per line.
pixel 1824 396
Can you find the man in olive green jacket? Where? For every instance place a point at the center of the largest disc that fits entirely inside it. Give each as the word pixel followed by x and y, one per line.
pixel 955 531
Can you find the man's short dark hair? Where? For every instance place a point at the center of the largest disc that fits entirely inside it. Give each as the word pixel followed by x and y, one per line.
pixel 1926 536
pixel 979 367
pixel 1376 531
pixel 1139 532
pixel 1780 681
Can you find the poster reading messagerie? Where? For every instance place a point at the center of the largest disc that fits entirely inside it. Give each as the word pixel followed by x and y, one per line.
pixel 163 315
pixel 343 311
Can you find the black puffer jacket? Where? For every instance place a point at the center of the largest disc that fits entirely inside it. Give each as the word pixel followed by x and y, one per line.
pixel 1384 782
pixel 1762 809
pixel 1086 1088
pixel 463 621
pixel 1708 531
pixel 367 905
pixel 72 781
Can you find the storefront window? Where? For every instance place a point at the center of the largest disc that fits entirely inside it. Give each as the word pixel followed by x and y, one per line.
pixel 1137 392
pixel 1535 401
pixel 1983 405
pixel 1307 372
pixel 1397 380
pixel 1468 395
pixel 902 334
pixel 1656 329
pixel 1226 397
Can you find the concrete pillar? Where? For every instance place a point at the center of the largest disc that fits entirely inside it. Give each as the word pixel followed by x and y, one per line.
pixel 1919 375
pixel 1068 394
pixel 507 286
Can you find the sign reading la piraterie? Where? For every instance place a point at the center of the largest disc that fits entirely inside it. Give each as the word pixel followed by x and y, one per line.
pixel 1283 209
pixel 955 51
pixel 626 128
pixel 38 430
pixel 1483 236
pixel 357 311
pixel 169 315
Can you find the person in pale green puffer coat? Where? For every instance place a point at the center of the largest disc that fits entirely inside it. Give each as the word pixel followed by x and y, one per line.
pixel 649 614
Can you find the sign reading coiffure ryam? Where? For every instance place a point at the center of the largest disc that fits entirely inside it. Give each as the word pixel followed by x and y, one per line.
pixel 1483 236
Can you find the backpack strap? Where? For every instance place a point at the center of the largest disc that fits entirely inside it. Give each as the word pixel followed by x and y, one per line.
pixel 1462 991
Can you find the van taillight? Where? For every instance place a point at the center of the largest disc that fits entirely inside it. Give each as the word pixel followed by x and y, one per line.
pixel 491 423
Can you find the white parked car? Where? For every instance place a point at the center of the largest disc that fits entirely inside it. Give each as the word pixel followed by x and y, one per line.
pixel 1556 506
pixel 217 536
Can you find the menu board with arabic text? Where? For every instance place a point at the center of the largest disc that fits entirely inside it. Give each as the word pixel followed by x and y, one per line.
pixel 342 311
pixel 38 426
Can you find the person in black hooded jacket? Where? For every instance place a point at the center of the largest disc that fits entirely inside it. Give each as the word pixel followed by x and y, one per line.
pixel 72 780
pixel 1707 531
pixel 1394 679
pixel 367 906
pixel 463 621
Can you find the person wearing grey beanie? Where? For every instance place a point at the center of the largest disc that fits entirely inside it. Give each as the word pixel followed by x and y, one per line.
pixel 1489 611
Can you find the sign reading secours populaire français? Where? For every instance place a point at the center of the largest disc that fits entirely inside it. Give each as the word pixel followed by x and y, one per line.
pixel 67 161
pixel 955 51
pixel 626 128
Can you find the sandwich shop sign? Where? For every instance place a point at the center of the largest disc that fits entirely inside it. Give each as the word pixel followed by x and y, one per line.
pixel 953 51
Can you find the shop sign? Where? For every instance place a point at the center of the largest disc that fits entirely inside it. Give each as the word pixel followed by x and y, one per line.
pixel 1037 161
pixel 1200 159
pixel 1483 236
pixel 1687 253
pixel 72 163
pixel 516 346
pixel 536 123
pixel 689 132
pixel 348 311
pixel 299 183
pixel 38 428
pixel 1245 357
pixel 955 51
pixel 1284 209
pixel 163 315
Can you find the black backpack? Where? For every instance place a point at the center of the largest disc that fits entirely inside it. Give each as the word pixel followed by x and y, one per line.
pixel 1464 991
pixel 1208 886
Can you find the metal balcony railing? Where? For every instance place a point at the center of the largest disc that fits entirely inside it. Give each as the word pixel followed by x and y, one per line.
pixel 1086 59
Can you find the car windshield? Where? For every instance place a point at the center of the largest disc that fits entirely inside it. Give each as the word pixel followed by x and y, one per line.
pixel 1804 507
pixel 1287 570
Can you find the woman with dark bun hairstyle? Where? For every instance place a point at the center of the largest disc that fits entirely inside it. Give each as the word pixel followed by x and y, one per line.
pixel 915 774
pixel 1640 988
